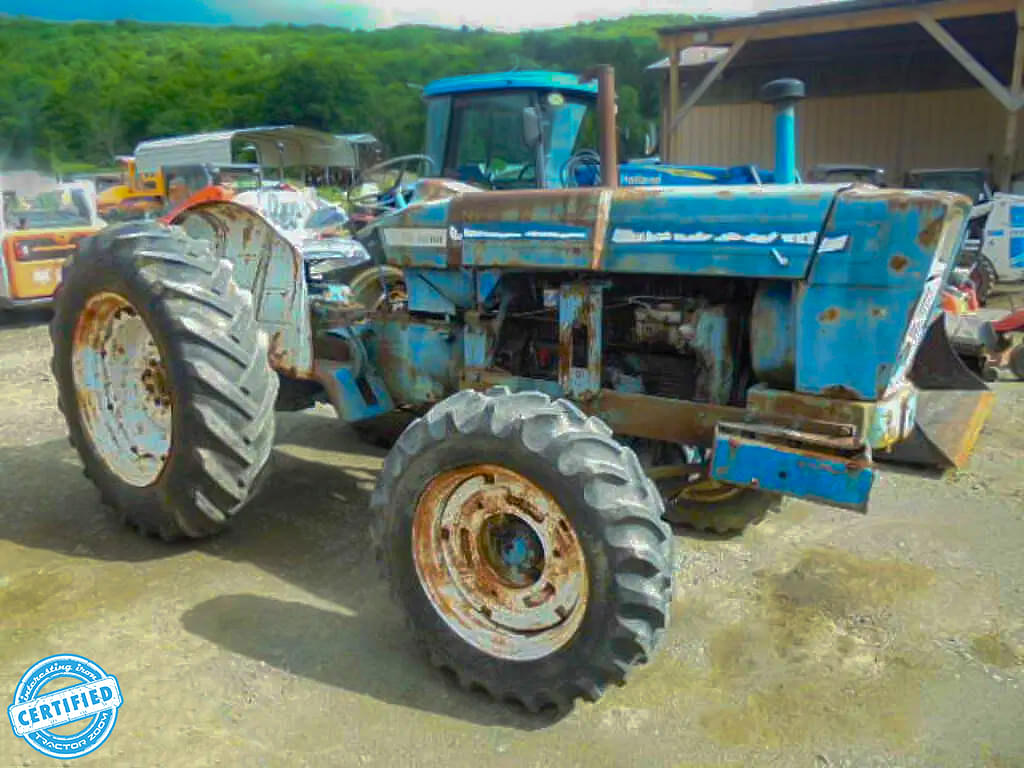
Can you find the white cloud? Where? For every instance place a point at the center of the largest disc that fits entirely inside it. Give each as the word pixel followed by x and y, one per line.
pixel 508 15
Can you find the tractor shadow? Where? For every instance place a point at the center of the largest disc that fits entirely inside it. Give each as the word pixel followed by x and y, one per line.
pixel 369 653
pixel 24 318
pixel 308 527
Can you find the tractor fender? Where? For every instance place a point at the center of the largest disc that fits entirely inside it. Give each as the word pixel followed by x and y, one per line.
pixel 265 263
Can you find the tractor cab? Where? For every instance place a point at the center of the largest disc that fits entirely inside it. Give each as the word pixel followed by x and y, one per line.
pixel 509 130
pixel 538 130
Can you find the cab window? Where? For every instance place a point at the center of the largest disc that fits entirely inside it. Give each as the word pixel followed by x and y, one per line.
pixel 487 145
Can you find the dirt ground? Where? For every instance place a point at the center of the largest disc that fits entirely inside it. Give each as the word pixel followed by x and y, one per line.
pixel 818 638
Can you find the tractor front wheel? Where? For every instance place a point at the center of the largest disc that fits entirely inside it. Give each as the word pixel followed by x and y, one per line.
pixel 525 546
pixel 713 507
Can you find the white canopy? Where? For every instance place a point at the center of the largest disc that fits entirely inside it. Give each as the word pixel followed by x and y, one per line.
pixel 287 144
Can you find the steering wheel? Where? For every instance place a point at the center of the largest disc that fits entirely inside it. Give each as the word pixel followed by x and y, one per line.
pixel 374 202
pixel 585 158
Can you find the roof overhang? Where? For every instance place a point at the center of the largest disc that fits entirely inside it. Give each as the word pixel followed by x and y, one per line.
pixel 842 16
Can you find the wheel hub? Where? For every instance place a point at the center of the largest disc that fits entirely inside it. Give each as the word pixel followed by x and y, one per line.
pixel 500 561
pixel 122 389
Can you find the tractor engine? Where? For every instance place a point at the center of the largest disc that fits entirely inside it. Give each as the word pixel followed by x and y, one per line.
pixel 680 338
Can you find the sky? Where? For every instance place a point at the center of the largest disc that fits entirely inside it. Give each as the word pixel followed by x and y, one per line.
pixel 501 15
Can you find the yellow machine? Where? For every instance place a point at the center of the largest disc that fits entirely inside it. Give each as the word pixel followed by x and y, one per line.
pixel 137 195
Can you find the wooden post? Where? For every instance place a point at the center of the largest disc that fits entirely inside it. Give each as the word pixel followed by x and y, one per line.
pixel 694 96
pixel 1010 147
pixel 673 101
pixel 999 91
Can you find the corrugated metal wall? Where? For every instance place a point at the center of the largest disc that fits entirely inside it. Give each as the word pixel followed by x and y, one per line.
pixel 895 131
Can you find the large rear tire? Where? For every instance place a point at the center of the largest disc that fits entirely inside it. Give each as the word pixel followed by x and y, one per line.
pixel 163 379
pixel 525 546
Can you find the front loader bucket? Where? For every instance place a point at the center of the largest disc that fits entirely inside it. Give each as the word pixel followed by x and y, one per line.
pixel 952 406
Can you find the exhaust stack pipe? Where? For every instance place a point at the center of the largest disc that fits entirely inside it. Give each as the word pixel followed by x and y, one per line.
pixel 605 76
pixel 784 94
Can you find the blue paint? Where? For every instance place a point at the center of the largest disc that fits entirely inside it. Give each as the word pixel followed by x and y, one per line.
pixel 440 292
pixel 419 361
pixel 1017 252
pixel 715 346
pixel 893 419
pixel 753 464
pixel 734 260
pixel 555 256
pixel 349 400
pixel 754 231
pixel 1017 216
pixel 579 315
pixel 510 231
pixel 853 315
pixel 664 175
pixel 475 344
pixel 501 81
pixel 773 334
pixel 487 281
pixel 785 143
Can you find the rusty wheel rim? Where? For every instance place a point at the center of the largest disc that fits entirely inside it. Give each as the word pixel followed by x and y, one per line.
pixel 122 389
pixel 500 562
pixel 706 491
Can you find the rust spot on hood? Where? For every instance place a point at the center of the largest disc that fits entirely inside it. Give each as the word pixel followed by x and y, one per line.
pixel 929 236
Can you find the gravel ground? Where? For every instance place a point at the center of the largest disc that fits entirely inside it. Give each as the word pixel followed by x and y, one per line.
pixel 817 638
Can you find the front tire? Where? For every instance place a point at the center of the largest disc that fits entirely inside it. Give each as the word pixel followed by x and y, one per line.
pixel 988 277
pixel 1016 361
pixel 163 379
pixel 525 546
pixel 734 512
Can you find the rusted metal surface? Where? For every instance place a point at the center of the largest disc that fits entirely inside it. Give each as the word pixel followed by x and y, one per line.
pixel 267 265
pixel 660 418
pixel 500 561
pixel 953 405
pixel 798 409
pixel 122 388
pixel 773 334
pixel 947 426
pixel 607 132
pixel 419 360
pixel 742 458
pixel 600 236
pixel 579 322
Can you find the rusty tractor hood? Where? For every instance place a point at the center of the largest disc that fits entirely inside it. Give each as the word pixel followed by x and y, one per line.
pixel 742 231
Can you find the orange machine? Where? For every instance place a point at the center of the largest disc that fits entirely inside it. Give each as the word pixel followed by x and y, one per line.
pixel 39 231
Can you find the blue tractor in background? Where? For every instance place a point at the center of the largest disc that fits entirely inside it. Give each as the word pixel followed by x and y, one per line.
pixel 577 362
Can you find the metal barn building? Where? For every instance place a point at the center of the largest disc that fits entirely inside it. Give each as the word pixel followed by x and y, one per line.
pixel 897 84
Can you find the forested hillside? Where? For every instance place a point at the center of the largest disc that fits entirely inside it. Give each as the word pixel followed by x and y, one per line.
pixel 84 92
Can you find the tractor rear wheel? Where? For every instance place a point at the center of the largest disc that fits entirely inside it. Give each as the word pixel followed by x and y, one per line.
pixel 163 379
pixel 525 546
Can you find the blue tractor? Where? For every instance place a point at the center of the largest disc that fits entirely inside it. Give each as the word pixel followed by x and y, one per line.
pixel 576 362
